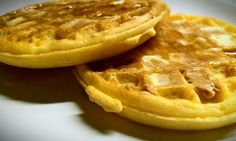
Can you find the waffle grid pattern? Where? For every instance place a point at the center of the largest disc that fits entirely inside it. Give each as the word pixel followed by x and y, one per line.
pixel 183 62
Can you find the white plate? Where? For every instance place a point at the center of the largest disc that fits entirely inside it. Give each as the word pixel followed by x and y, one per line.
pixel 49 105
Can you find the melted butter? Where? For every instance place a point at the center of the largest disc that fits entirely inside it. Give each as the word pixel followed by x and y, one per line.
pixel 223 40
pixel 219 36
pixel 118 2
pixel 153 62
pixel 212 29
pixel 197 34
pixel 154 59
pixel 183 42
pixel 159 79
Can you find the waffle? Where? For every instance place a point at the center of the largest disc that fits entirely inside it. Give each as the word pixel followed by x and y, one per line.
pixel 183 78
pixel 70 32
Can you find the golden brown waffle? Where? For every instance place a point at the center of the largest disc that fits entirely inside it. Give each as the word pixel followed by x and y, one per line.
pixel 184 78
pixel 70 32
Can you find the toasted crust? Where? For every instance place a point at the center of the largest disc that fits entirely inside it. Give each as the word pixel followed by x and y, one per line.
pixel 182 105
pixel 64 33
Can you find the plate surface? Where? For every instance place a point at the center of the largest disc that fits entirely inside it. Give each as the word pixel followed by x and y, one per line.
pixel 49 105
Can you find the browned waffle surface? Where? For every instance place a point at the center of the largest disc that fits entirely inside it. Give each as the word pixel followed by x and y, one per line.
pixel 72 19
pixel 76 31
pixel 183 78
pixel 188 59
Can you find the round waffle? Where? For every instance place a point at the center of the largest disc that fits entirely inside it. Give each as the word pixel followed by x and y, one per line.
pixel 70 32
pixel 184 78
